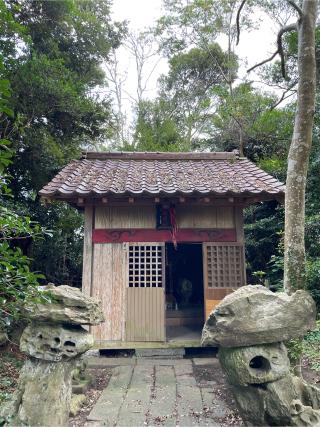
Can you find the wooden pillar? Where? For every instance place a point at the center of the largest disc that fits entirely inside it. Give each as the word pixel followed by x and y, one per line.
pixel 87 250
pixel 238 220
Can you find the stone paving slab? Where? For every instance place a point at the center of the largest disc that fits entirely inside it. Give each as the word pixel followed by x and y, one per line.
pixel 217 408
pixel 201 361
pixel 134 409
pixel 157 393
pixel 163 404
pixel 189 404
pixel 109 403
pixel 183 369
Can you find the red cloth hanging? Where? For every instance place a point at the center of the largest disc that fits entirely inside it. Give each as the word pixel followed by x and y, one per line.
pixel 174 227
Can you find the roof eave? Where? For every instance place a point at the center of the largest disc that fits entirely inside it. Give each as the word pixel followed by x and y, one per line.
pixel 252 197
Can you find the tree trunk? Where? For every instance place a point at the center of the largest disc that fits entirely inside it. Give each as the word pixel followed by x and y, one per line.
pixel 298 157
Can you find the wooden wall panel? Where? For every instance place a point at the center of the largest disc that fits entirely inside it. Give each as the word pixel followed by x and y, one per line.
pixel 204 216
pixel 87 250
pixel 225 217
pixel 125 217
pixel 145 314
pixel 108 286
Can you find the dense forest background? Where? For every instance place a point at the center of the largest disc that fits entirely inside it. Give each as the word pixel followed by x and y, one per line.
pixel 61 92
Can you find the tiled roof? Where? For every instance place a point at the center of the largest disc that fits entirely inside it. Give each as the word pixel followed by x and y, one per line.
pixel 103 174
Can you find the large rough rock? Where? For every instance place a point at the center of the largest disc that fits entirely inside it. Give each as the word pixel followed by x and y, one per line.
pixel 53 342
pixel 254 315
pixel 304 416
pixel 254 365
pixel 43 395
pixel 70 305
pixel 309 393
pixel 278 403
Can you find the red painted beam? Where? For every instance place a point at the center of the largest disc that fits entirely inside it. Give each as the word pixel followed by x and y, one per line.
pixel 152 235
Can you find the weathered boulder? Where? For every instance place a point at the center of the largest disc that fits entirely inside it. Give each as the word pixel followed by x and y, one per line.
pixel 69 305
pixel 55 343
pixel 308 393
pixel 254 315
pixel 43 395
pixel 55 340
pixel 304 416
pixel 278 403
pixel 254 365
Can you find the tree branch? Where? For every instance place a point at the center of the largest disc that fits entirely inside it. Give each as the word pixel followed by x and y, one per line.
pixel 263 62
pixel 282 31
pixel 284 95
pixel 296 7
pixel 286 29
pixel 238 20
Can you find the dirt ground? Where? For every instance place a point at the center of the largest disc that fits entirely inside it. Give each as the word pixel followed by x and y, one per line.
pixel 205 374
pixel 11 361
pixel 309 374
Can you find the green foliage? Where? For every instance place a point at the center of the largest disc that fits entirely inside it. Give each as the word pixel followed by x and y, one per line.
pixel 59 256
pixel 188 89
pixel 53 51
pixel 198 22
pixel 263 226
pixel 182 114
pixel 295 351
pixel 155 129
pixel 311 348
pixel 18 284
pixel 246 116
pixel 313 279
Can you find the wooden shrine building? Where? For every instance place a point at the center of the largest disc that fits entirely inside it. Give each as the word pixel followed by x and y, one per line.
pixel 163 237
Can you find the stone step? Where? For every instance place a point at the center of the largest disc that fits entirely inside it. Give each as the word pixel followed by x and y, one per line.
pixel 105 362
pixel 161 353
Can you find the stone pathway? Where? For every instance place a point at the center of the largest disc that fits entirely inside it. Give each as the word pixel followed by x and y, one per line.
pixel 155 392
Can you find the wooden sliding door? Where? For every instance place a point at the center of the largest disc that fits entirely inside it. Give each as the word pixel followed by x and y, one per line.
pixel 224 271
pixel 145 292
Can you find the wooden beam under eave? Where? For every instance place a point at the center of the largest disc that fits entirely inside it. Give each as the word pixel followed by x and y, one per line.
pixel 105 200
pixel 131 199
pixel 182 199
pixel 157 199
pixel 80 201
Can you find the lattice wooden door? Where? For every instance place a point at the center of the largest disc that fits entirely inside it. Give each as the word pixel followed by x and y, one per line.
pixel 145 292
pixel 224 271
